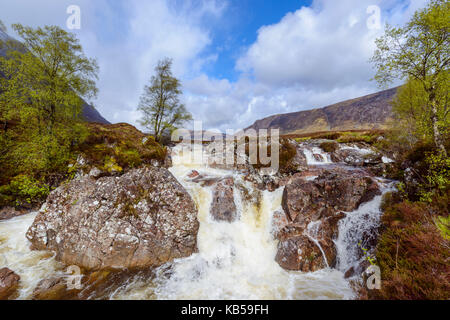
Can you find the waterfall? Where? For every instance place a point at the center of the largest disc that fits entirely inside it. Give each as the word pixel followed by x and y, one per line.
pixel 358 228
pixel 312 161
pixel 234 260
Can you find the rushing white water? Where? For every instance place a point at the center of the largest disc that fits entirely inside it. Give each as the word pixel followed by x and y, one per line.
pixel 359 226
pixel 362 151
pixel 235 260
pixel 31 266
pixel 312 161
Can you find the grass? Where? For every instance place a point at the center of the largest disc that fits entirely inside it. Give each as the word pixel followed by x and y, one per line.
pixel 119 147
pixel 352 136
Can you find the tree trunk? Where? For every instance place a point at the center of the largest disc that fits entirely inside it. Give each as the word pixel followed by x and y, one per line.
pixel 436 133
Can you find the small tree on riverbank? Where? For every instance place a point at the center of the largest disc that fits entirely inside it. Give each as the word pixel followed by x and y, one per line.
pixel 160 102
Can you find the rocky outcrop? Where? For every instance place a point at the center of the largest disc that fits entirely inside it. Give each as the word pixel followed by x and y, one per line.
pixel 337 190
pixel 141 219
pixel 9 283
pixel 96 285
pixel 356 156
pixel 223 207
pixel 313 211
pixel 299 253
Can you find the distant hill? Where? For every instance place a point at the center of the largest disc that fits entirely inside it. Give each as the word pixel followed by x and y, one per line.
pixel 89 113
pixel 364 113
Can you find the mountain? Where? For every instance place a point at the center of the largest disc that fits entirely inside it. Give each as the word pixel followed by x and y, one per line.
pixel 89 113
pixel 364 113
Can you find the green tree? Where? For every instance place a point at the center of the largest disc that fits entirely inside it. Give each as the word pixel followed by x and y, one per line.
pixel 160 102
pixel 419 54
pixel 40 98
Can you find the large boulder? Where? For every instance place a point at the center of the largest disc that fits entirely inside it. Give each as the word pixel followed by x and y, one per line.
pixel 9 283
pixel 299 253
pixel 309 248
pixel 223 207
pixel 338 190
pixel 141 219
pixel 313 209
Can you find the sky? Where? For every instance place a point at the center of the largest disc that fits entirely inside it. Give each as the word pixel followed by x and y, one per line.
pixel 238 60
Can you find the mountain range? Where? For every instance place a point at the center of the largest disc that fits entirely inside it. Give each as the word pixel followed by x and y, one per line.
pixel 364 113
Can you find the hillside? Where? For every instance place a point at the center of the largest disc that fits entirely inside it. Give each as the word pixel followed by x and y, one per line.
pixel 364 113
pixel 90 114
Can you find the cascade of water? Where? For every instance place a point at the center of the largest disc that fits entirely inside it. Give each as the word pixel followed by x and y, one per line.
pixel 15 254
pixel 235 260
pixel 359 228
pixel 312 161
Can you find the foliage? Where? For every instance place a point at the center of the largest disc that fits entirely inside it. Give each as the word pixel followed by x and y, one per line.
pixel 329 146
pixel 25 189
pixel 40 104
pixel 443 224
pixel 437 180
pixel 419 53
pixel 160 103
pixel 122 142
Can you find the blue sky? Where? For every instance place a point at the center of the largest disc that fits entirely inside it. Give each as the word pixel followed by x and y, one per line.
pixel 239 61
pixel 246 17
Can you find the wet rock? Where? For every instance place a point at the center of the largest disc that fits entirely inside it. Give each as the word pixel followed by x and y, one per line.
pixel 349 273
pixel 141 219
pixel 223 207
pixel 193 174
pixel 9 283
pixel 306 201
pixel 318 157
pixel 279 222
pixel 92 285
pixel 301 200
pixel 299 161
pixel 356 155
pixel 54 288
pixel 11 212
pixel 299 253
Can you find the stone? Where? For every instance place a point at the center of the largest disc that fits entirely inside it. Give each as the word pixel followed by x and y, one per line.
pixel 223 207
pixel 9 283
pixel 141 219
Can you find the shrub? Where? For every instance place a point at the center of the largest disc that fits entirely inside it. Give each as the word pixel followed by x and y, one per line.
pixel 412 253
pixel 329 146
pixel 437 179
pixel 26 189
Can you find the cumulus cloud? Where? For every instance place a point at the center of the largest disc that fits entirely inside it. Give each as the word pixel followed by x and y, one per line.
pixel 314 56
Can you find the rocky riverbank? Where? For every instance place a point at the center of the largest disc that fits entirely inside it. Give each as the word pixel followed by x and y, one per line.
pixel 121 228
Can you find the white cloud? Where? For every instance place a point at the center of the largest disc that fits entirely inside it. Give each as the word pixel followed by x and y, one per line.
pixel 313 57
